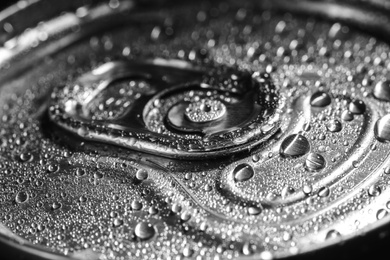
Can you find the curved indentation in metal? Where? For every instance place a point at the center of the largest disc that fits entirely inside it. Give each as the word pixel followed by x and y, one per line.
pixel 145 123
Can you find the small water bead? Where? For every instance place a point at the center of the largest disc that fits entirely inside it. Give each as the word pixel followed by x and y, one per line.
pixel 188 251
pixel 83 199
pixel 21 197
pixel 357 107
pixel 254 210
pixel 306 127
pixel 144 231
pixel 153 210
pixel 307 189
pixel 347 116
pixel 382 129
pixel 243 172
pixel 286 191
pixel 80 172
pixel 382 90
pixel 136 205
pixel 256 158
pixel 294 146
pixel 320 99
pixel 52 168
pixel 334 125
pixel 185 216
pixel 176 208
pixel 324 192
pixel 142 174
pixel 248 248
pixel 24 157
pixel 315 162
pixel 332 234
pixel 117 222
pixel 381 213
pixel 56 205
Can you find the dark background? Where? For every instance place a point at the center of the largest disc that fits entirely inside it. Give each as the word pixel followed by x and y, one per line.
pixel 6 3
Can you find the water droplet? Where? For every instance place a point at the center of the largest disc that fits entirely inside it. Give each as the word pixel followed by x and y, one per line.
pixel 266 255
pixel 243 172
pixel 144 231
pixel 374 190
pixel 141 175
pixel 306 127
pixel 136 205
pixel 248 248
pixel 187 251
pixel 315 162
pixel 117 222
pixel 52 167
pixel 382 129
pixel 334 125
pixel 24 157
pixel 324 192
pixel 294 146
pixel 185 216
pixel 332 234
pixel 176 208
pixel 307 189
pixel 381 213
pixel 347 116
pixel 56 205
pixel 255 158
pixel 357 107
pixel 21 197
pixel 286 191
pixel 153 210
pixel 254 210
pixel 320 99
pixel 80 172
pixel 382 90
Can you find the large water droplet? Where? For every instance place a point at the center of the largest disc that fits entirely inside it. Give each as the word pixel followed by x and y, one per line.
pixel 144 230
pixel 320 99
pixel 315 162
pixel 294 146
pixel 382 128
pixel 357 107
pixel 374 190
pixel 243 172
pixel 21 197
pixel 382 90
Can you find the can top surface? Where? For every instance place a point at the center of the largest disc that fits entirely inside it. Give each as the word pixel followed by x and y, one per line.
pixel 210 129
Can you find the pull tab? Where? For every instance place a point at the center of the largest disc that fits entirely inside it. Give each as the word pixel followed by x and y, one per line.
pixel 168 107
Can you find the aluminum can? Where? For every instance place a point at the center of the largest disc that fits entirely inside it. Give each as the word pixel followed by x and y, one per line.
pixel 194 129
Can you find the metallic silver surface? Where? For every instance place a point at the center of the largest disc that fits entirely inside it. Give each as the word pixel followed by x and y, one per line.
pixel 205 130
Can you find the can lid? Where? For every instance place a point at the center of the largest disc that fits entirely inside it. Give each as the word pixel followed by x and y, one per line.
pixel 220 129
